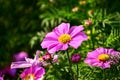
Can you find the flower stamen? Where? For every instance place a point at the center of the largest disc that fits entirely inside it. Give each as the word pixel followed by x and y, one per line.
pixel 64 38
pixel 30 77
pixel 103 57
pixel 41 59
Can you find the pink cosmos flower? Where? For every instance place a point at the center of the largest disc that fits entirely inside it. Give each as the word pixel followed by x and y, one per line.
pixel 62 36
pixel 38 60
pixel 33 73
pixel 101 57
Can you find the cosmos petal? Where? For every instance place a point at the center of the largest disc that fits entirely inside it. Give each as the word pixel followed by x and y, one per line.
pixel 39 72
pixel 63 28
pixel 74 30
pixel 77 40
pixel 50 38
pixel 20 64
pixel 52 48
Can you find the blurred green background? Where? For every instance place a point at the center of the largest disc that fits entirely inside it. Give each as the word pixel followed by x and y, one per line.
pixel 24 23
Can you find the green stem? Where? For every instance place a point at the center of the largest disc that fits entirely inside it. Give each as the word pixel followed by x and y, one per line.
pixel 103 73
pixel 52 63
pixel 92 38
pixel 77 71
pixel 54 67
pixel 70 65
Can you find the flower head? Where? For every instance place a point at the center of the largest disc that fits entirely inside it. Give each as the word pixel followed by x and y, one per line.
pixel 28 62
pixel 38 60
pixel 76 58
pixel 33 73
pixel 101 57
pixel 62 36
pixel 48 58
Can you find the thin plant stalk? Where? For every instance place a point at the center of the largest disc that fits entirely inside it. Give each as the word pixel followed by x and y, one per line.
pixel 77 71
pixel 55 68
pixel 70 65
pixel 92 37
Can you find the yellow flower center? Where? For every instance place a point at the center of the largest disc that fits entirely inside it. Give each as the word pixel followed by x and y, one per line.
pixel 41 59
pixel 30 77
pixel 103 57
pixel 64 38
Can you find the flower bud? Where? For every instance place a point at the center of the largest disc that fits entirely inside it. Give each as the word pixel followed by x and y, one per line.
pixel 90 12
pixel 88 22
pixel 82 2
pixel 76 58
pixel 47 56
pixel 75 9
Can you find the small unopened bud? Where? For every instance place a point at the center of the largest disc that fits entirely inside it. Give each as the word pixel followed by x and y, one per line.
pixel 82 2
pixel 75 9
pixel 47 56
pixel 76 58
pixel 52 1
pixel 88 22
pixel 90 12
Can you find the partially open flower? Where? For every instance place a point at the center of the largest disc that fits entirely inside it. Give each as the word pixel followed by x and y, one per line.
pixel 38 60
pixel 47 56
pixel 76 58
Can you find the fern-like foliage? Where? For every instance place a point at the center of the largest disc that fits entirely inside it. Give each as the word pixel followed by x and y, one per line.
pixel 36 39
pixel 51 18
pixel 105 30
pixel 54 16
pixel 113 37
